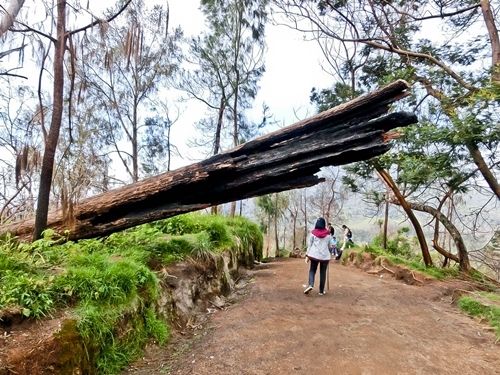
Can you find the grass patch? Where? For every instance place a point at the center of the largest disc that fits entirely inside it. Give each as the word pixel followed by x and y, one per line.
pixel 413 263
pixel 475 308
pixel 110 283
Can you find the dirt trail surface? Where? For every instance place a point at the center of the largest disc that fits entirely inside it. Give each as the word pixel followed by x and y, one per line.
pixel 365 324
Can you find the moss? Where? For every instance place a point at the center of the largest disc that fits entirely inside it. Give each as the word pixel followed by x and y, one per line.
pixel 71 353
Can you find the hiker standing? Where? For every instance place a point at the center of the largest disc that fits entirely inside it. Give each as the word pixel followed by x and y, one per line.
pixel 318 252
pixel 333 242
pixel 347 237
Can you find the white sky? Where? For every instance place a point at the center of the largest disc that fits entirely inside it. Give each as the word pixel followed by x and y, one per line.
pixel 292 69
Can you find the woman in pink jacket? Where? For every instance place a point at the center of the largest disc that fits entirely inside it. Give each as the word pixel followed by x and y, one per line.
pixel 318 252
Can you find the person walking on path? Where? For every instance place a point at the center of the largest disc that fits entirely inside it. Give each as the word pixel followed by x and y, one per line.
pixel 318 252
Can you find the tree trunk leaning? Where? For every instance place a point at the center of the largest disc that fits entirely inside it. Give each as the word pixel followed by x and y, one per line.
pixel 283 160
pixel 387 179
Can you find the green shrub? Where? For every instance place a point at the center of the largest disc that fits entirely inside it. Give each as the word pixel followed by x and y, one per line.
pixel 108 282
pixel 398 244
pixel 31 293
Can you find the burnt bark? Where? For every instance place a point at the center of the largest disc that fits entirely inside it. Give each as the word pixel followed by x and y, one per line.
pixel 282 160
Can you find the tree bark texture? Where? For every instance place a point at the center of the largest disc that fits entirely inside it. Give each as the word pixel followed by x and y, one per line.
pixel 42 209
pixel 463 257
pixel 406 207
pixel 386 223
pixel 489 20
pixel 283 160
pixel 488 175
pixel 10 12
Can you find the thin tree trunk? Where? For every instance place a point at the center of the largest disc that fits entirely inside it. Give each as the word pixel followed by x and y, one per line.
pixel 55 125
pixel 416 225
pixel 489 20
pixel 276 225
pixel 214 209
pixel 284 237
pixel 435 240
pixel 484 169
pixel 218 129
pixel 463 256
pixel 386 221
pixel 305 219
pixel 135 153
pixel 169 150
pixel 268 235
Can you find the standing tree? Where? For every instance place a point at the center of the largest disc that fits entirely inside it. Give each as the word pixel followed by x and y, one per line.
pixel 228 64
pixel 273 206
pixel 62 42
pixel 440 68
pixel 456 104
pixel 21 151
pixel 139 56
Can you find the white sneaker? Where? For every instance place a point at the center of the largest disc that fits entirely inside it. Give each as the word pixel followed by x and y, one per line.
pixel 321 294
pixel 308 289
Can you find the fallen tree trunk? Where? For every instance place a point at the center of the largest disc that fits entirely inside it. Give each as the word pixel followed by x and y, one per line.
pixel 286 159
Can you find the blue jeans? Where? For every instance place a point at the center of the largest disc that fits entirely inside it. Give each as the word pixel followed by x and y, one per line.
pixel 322 273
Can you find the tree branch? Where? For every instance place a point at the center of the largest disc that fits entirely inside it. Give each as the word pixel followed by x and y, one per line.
pixel 10 14
pixel 96 22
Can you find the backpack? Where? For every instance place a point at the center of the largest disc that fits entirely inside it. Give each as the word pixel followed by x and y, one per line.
pixel 349 234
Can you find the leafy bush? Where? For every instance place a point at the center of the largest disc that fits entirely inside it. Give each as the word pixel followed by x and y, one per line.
pixel 398 244
pixel 31 293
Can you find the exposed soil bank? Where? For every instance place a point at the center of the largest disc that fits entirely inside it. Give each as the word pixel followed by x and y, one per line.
pixel 54 346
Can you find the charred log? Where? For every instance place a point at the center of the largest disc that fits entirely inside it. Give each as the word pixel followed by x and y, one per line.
pixel 282 160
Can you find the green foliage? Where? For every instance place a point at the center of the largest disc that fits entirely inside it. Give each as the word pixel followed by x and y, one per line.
pixel 328 98
pixel 108 282
pixel 414 262
pixel 475 308
pixel 248 236
pixel 398 244
pixel 29 292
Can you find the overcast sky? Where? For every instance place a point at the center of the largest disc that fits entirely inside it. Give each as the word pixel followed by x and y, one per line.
pixel 292 69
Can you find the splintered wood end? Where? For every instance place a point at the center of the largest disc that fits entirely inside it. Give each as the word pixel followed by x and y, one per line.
pixel 389 136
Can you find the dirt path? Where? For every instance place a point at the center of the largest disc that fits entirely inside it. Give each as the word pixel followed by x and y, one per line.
pixel 365 324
